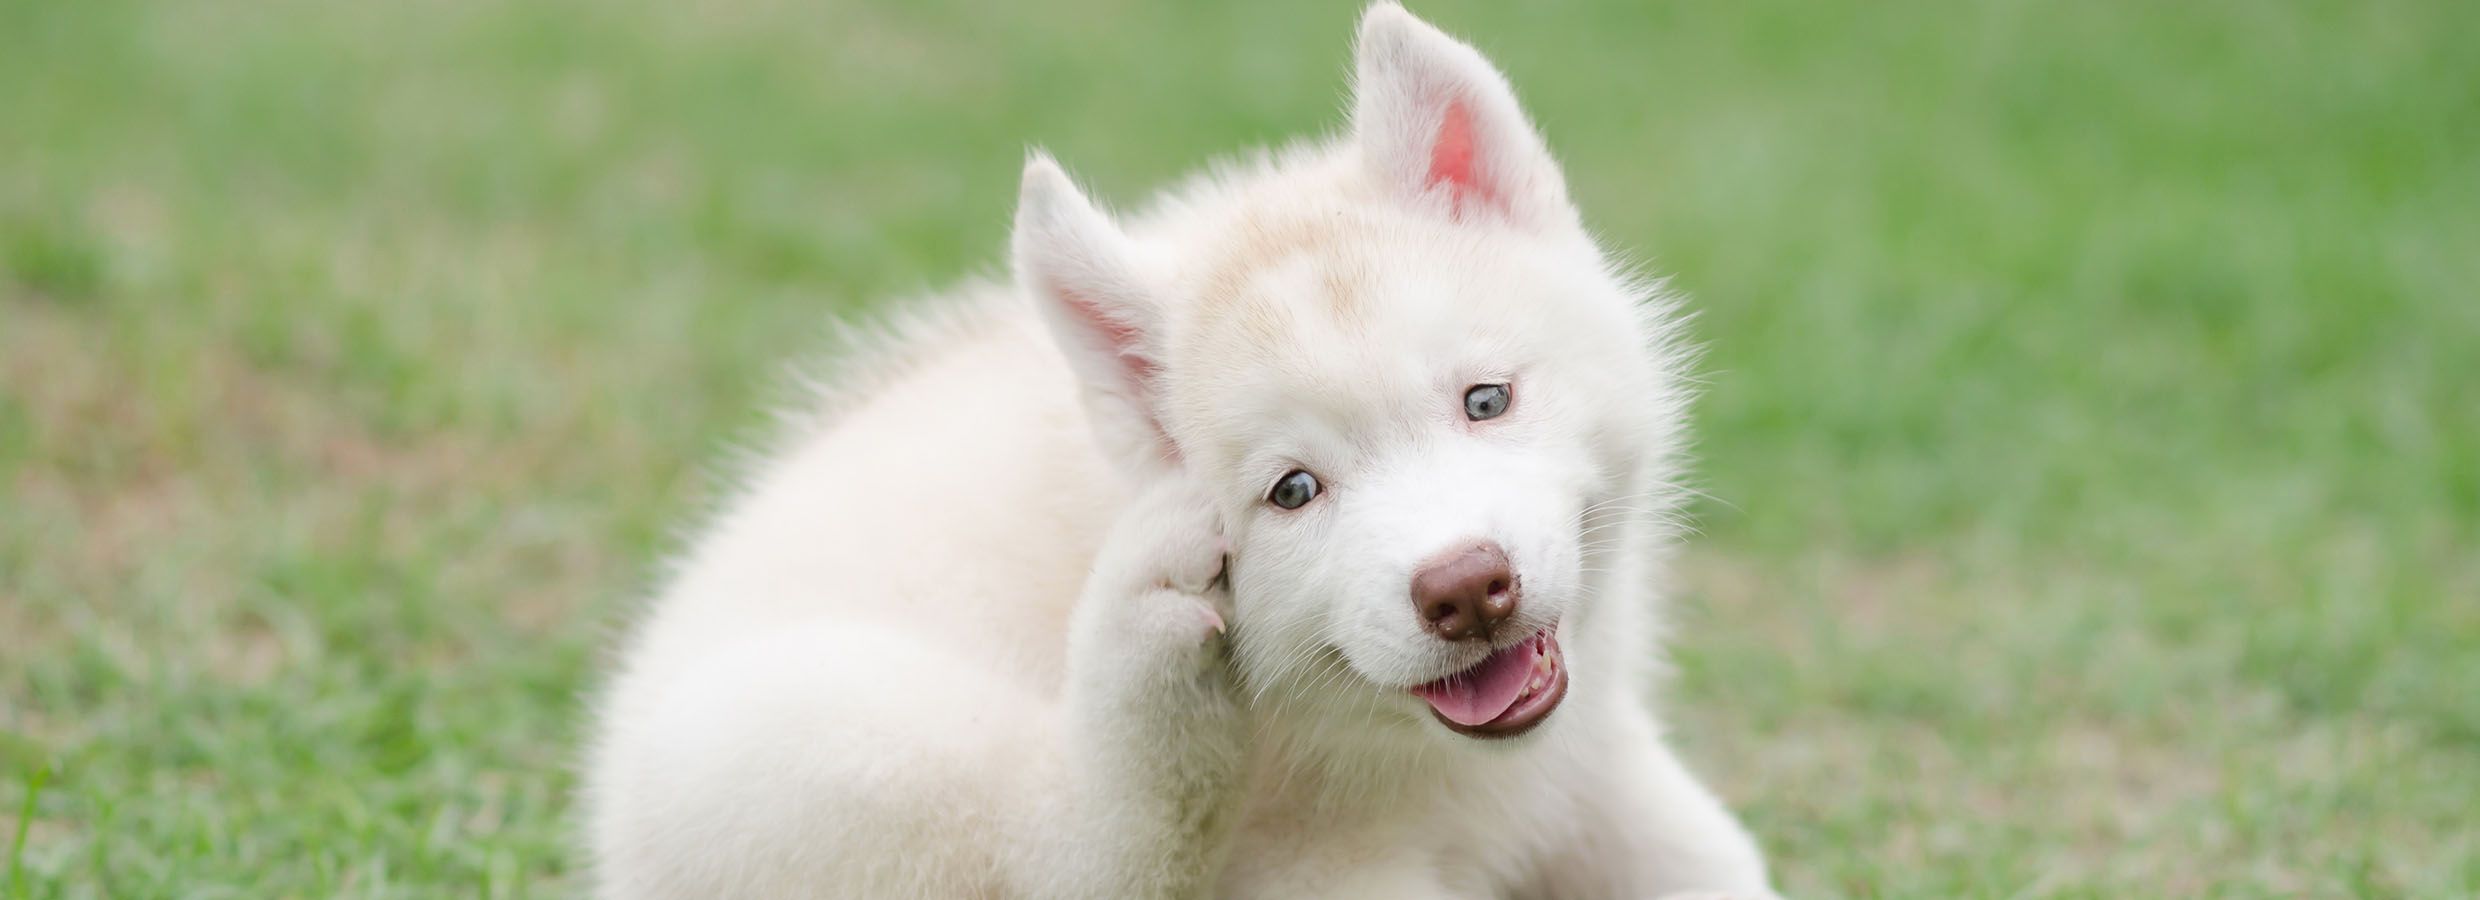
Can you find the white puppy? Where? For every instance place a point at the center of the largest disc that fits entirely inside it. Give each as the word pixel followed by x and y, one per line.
pixel 1295 538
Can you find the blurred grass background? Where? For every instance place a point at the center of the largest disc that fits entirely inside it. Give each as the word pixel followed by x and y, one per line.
pixel 2092 406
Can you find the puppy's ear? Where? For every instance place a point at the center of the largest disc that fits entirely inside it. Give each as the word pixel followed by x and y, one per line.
pixel 1082 273
pixel 1438 126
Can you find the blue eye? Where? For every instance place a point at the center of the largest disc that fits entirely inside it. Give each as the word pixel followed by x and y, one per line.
pixel 1294 490
pixel 1486 401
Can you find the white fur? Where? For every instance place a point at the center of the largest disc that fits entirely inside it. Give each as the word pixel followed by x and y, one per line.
pixel 965 636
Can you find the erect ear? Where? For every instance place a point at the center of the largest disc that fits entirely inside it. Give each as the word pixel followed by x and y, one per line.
pixel 1437 125
pixel 1083 275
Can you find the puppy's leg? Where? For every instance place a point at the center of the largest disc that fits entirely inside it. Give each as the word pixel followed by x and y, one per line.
pixel 1154 725
pixel 1665 833
pixel 1400 875
pixel 824 756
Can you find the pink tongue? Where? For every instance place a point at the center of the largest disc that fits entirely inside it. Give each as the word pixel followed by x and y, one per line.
pixel 1483 692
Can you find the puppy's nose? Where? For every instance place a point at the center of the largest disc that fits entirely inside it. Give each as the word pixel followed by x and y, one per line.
pixel 1464 594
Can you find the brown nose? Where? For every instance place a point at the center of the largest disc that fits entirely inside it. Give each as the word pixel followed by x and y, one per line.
pixel 1464 594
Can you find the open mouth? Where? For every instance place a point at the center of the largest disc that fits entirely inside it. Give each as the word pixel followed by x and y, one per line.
pixel 1505 695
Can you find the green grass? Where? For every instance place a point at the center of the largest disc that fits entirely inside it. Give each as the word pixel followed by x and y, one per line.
pixel 2094 396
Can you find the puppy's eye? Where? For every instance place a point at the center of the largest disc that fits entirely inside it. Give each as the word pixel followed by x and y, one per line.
pixel 1485 401
pixel 1294 490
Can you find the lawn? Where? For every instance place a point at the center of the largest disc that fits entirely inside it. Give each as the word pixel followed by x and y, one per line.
pixel 2092 424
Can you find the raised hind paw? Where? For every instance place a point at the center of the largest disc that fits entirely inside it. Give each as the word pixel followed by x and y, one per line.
pixel 1156 602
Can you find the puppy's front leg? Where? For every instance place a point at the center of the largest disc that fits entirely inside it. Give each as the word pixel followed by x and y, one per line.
pixel 1667 834
pixel 1155 725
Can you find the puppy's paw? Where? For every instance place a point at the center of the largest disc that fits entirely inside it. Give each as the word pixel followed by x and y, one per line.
pixel 1170 537
pixel 1157 601
pixel 1170 541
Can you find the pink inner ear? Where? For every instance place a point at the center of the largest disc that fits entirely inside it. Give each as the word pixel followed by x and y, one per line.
pixel 1125 347
pixel 1120 335
pixel 1453 158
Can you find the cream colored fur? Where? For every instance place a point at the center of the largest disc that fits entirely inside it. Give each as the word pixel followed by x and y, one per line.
pixel 1015 617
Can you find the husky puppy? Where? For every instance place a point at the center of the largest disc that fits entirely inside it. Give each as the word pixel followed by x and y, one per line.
pixel 1297 537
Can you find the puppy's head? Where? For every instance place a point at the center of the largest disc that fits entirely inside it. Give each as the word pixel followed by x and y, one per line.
pixel 1432 407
